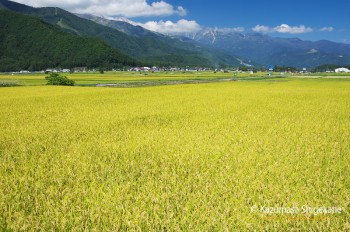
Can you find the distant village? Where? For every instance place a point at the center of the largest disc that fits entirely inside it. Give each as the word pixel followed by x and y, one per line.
pixel 155 69
pixel 132 69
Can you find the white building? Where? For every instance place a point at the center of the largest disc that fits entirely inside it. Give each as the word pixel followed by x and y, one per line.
pixel 342 70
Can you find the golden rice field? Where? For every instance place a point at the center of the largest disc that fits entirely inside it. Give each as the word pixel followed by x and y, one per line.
pixel 229 156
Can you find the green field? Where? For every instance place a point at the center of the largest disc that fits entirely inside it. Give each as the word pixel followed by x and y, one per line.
pixel 161 78
pixel 126 77
pixel 199 157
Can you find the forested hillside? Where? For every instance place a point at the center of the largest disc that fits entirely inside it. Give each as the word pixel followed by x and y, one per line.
pixel 29 43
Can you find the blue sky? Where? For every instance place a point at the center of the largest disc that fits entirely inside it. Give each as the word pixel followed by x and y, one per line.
pixel 308 19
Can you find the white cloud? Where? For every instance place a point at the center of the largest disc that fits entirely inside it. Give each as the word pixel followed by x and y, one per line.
pixel 169 27
pixel 261 29
pixel 181 11
pixel 126 8
pixel 329 29
pixel 283 28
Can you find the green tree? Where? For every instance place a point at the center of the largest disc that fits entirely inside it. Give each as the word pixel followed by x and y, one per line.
pixel 57 79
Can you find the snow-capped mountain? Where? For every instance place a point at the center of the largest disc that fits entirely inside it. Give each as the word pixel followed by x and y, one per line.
pixel 265 49
pixel 253 48
pixel 125 20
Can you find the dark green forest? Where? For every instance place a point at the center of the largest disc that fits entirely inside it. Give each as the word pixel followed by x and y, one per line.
pixel 27 43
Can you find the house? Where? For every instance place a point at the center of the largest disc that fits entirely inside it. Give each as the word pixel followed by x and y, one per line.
pixel 342 70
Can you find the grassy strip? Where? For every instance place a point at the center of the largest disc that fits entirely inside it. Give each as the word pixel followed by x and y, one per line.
pixel 9 83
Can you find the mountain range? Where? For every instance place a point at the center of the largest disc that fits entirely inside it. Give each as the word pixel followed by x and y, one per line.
pixel 252 48
pixel 146 49
pixel 216 56
pixel 129 44
pixel 265 50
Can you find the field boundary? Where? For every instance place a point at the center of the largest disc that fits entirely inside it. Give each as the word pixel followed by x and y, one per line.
pixel 135 84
